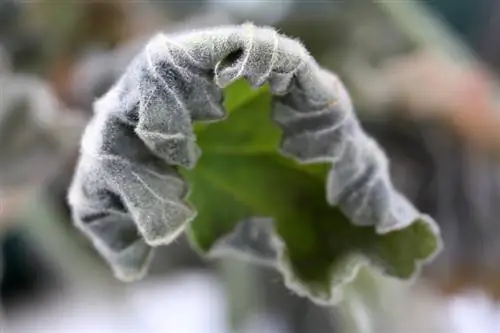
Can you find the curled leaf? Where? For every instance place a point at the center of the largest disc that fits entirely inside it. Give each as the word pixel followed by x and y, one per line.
pixel 142 137
pixel 252 239
pixel 318 248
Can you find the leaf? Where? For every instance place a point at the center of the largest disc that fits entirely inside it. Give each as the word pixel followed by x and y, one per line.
pixel 128 195
pixel 253 239
pixel 241 174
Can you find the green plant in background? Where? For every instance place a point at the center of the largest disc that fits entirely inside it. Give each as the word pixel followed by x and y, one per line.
pixel 309 194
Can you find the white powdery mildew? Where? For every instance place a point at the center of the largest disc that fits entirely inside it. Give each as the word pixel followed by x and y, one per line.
pixel 142 130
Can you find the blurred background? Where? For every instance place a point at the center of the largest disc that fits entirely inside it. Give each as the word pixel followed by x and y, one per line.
pixel 423 77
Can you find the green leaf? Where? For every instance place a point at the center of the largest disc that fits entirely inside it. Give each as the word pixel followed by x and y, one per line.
pixel 241 174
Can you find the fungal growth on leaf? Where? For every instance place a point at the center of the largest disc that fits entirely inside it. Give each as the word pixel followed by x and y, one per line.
pixel 321 182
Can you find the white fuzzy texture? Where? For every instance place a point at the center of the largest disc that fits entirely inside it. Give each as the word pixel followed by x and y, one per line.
pixel 142 130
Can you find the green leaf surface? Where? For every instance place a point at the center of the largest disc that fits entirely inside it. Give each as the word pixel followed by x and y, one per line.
pixel 241 174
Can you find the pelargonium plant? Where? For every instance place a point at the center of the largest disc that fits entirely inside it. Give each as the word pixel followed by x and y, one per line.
pixel 238 137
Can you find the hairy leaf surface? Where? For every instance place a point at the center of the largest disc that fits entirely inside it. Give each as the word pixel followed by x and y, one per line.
pixel 292 151
pixel 241 174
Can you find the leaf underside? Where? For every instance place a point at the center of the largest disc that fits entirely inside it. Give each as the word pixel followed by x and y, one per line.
pixel 242 174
